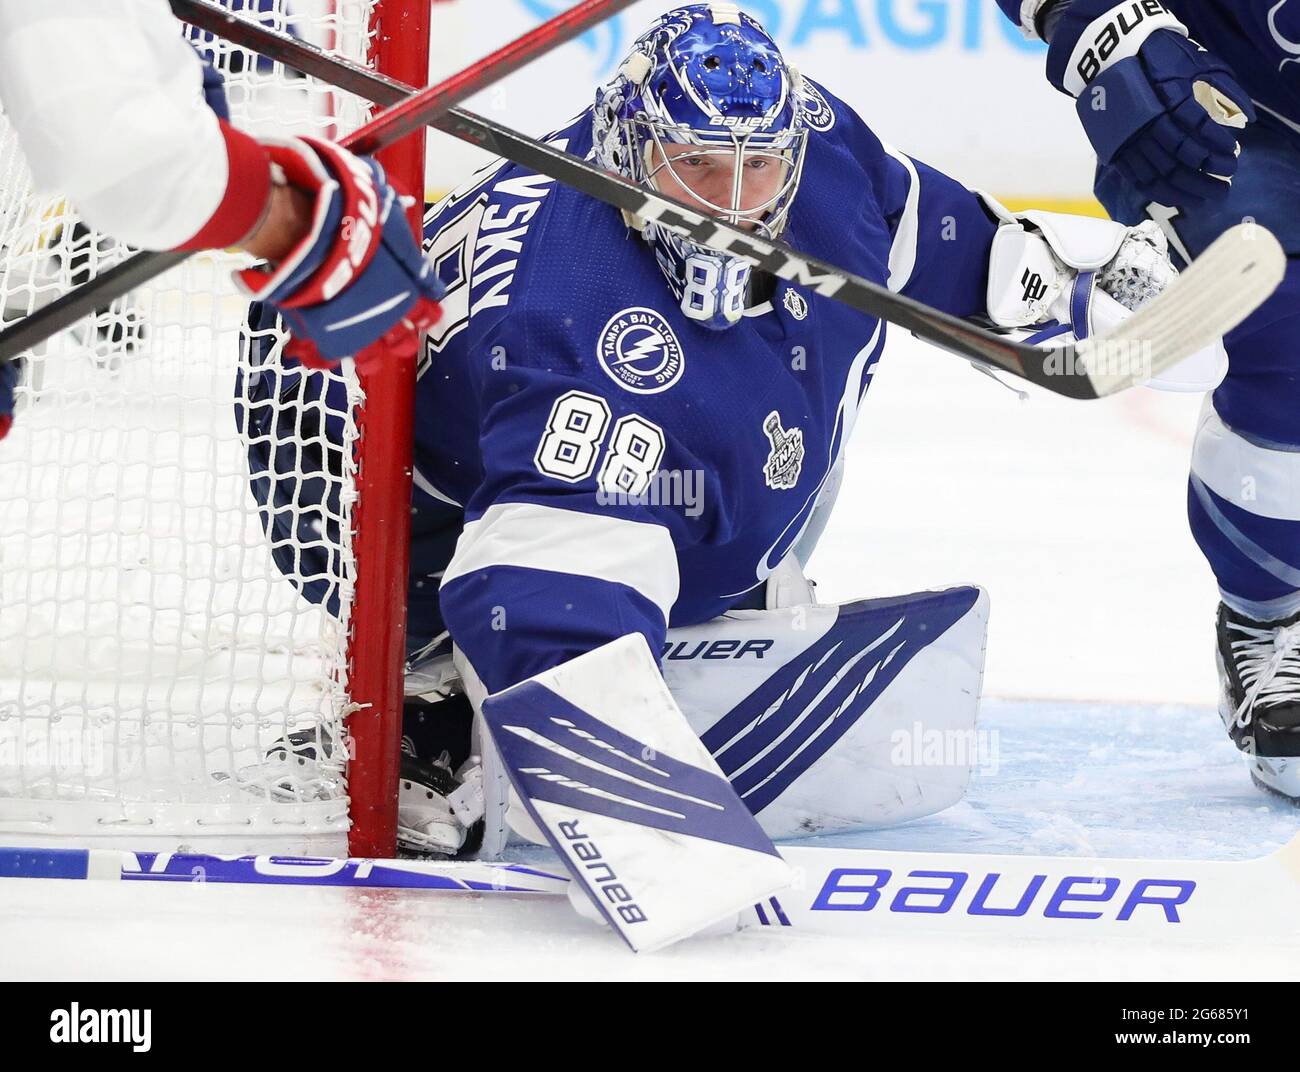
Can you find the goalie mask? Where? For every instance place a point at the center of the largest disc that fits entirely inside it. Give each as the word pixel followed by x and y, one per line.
pixel 705 110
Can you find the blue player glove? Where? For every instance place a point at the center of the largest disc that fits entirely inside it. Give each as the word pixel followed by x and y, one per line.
pixel 358 276
pixel 1158 108
pixel 8 381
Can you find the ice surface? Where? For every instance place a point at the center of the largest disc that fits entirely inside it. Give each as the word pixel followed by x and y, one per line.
pixel 1079 779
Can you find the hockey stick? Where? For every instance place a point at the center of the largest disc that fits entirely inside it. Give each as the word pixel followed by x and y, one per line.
pixel 865 892
pixel 845 893
pixel 406 111
pixel 271 870
pixel 1229 281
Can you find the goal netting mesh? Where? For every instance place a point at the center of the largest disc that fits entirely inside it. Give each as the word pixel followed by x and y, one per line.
pixel 152 654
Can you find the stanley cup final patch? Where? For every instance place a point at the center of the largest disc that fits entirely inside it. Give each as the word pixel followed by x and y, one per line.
pixel 786 457
pixel 640 352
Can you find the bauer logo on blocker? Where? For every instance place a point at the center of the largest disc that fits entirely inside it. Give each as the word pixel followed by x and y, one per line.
pixel 639 351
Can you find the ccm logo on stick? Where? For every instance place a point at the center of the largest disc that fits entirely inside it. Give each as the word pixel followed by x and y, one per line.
pixel 849 889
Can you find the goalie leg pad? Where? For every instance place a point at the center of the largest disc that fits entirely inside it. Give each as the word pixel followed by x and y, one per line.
pixel 623 790
pixel 836 718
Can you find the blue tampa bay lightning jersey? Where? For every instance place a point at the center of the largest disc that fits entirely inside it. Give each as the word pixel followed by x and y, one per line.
pixel 600 462
pixel 1258 39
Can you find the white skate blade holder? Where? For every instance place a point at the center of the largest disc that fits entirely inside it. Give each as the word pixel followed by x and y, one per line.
pixel 609 770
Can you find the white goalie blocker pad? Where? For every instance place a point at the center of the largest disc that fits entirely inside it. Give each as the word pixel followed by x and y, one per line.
pixel 1050 268
pixel 828 719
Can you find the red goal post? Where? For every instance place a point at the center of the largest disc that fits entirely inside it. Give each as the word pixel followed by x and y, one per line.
pixel 377 643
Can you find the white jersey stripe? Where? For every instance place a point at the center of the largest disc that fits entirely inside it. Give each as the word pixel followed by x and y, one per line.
pixel 632 553
pixel 1260 480
pixel 902 254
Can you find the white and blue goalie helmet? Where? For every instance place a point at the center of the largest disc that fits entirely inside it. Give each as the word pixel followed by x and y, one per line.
pixel 706 110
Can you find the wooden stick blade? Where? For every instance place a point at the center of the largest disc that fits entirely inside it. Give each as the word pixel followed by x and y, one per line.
pixel 1228 282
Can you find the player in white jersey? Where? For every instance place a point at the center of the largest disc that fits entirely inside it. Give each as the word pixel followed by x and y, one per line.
pixel 114 109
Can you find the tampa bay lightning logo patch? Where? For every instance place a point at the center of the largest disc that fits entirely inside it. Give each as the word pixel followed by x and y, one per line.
pixel 785 460
pixel 640 352
pixel 817 112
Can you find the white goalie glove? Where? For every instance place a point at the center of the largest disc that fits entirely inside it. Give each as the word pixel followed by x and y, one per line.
pixel 1055 278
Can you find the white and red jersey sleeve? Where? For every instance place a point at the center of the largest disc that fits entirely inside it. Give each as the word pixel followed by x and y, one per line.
pixel 106 98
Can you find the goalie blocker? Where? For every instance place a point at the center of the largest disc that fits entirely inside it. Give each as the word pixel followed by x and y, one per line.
pixel 611 774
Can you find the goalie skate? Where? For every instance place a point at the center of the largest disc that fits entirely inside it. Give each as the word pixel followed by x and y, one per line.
pixel 427 822
pixel 434 804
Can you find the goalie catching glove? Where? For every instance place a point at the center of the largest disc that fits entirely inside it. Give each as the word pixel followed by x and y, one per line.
pixel 358 276
pixel 1047 269
pixel 1058 278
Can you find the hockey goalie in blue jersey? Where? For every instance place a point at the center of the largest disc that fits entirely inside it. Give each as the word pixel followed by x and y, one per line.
pixel 1193 107
pixel 627 444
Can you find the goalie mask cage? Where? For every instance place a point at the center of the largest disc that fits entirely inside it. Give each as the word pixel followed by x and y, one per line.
pixel 151 652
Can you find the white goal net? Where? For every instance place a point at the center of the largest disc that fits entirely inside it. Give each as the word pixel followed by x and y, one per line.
pixel 152 653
